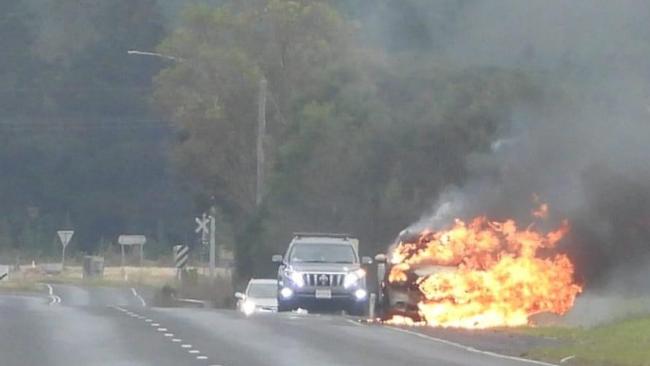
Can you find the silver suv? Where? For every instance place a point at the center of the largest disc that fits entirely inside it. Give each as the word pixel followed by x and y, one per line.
pixel 322 271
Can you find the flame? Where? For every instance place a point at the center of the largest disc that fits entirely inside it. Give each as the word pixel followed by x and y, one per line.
pixel 501 275
pixel 541 212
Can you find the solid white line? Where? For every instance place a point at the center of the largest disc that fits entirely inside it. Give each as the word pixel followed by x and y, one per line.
pixel 354 322
pixel 470 349
pixel 135 293
pixel 565 359
pixel 54 299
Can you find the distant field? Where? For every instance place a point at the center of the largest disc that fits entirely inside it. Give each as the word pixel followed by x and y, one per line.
pixel 620 343
pixel 113 276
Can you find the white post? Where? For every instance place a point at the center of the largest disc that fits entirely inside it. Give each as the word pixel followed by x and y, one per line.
pixel 371 306
pixel 213 242
pixel 63 259
pixel 123 269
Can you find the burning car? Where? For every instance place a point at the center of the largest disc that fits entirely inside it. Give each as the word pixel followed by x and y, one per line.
pixel 399 293
pixel 478 274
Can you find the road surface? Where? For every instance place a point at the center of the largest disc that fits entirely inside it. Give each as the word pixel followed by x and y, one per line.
pixel 69 325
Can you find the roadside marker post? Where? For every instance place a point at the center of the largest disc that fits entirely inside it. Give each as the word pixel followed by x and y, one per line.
pixel 181 256
pixel 64 237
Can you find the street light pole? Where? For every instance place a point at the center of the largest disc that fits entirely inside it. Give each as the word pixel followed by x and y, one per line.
pixel 154 54
pixel 261 133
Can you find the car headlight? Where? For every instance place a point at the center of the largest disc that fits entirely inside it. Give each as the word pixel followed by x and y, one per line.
pixel 296 277
pixel 353 278
pixel 248 307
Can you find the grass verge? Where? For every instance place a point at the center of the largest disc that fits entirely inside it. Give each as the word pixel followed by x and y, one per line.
pixel 622 343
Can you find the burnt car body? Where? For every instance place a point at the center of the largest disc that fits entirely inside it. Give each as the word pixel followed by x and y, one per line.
pixel 401 298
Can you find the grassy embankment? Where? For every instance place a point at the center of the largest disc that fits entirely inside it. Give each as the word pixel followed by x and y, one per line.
pixel 30 280
pixel 620 343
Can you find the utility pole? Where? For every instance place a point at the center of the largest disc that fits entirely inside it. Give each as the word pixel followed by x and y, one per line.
pixel 261 134
pixel 213 240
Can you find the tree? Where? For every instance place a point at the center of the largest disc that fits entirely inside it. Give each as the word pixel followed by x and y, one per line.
pixel 212 92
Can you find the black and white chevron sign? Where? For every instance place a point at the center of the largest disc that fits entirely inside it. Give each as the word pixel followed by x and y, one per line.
pixel 181 255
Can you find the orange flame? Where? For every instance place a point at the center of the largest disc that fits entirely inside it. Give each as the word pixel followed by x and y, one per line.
pixel 503 275
pixel 541 212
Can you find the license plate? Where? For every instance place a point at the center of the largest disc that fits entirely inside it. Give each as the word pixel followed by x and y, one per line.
pixel 323 293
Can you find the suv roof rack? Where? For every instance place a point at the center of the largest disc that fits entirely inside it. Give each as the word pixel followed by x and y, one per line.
pixel 320 235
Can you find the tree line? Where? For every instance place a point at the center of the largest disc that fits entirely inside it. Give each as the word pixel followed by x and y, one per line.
pixel 366 120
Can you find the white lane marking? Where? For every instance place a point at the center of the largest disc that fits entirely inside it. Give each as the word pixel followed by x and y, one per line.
pixel 201 357
pixel 186 346
pixel 169 334
pixel 162 329
pixel 470 349
pixel 194 351
pixel 568 358
pixel 176 340
pixel 135 293
pixel 354 322
pixel 148 320
pixel 155 324
pixel 54 299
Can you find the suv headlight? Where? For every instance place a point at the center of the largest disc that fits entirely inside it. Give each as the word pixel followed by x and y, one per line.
pixel 353 278
pixel 296 278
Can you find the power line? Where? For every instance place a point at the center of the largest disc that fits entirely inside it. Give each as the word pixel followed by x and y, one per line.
pixel 80 124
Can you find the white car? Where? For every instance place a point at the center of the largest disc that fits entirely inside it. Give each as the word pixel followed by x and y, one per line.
pixel 260 297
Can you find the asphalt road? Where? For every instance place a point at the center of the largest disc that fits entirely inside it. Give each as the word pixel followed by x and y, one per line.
pixel 103 326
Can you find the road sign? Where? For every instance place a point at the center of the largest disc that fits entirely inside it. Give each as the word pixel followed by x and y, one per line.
pixel 65 236
pixel 203 224
pixel 181 255
pixel 132 239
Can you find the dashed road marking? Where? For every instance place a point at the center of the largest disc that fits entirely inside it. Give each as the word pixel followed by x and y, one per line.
pixel 186 346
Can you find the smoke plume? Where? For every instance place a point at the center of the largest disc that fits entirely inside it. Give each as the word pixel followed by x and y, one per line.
pixel 583 146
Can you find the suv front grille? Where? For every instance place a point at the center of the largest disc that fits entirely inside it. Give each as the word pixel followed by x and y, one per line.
pixel 324 279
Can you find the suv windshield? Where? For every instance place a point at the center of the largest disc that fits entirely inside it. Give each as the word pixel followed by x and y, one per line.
pixel 262 290
pixel 322 253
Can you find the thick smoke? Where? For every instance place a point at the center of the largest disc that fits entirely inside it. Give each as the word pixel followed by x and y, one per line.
pixel 584 147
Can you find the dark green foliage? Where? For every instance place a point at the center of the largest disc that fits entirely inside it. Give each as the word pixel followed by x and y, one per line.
pixel 79 146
